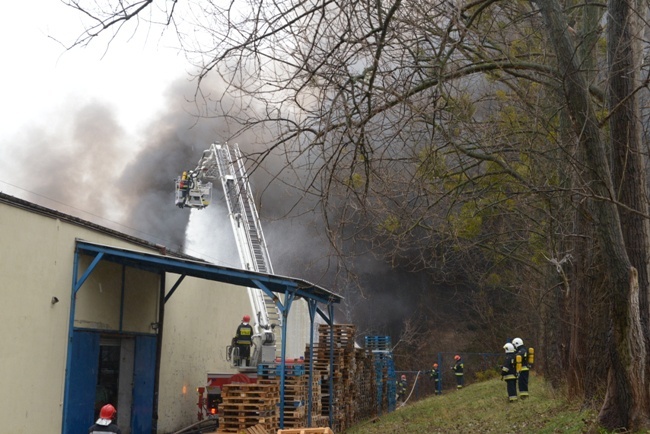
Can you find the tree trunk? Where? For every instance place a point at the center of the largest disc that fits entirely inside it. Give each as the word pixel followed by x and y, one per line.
pixel 628 171
pixel 589 316
pixel 624 405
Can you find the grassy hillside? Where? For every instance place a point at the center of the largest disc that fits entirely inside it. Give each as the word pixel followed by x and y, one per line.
pixel 484 408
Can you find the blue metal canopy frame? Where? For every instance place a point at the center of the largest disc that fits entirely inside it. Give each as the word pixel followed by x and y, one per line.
pixel 273 285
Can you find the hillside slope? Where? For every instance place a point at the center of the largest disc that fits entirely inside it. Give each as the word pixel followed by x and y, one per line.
pixel 484 408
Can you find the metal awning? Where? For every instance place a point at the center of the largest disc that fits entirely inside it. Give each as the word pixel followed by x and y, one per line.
pixel 273 285
pixel 204 270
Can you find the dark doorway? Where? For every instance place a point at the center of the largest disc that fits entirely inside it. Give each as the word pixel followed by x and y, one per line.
pixel 115 378
pixel 114 369
pixel 108 374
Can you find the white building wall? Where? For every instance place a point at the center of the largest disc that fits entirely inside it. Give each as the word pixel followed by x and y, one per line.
pixel 298 329
pixel 36 263
pixel 34 331
pixel 200 320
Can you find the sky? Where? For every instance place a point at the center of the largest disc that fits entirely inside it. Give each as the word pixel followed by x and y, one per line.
pixel 41 76
pixel 73 121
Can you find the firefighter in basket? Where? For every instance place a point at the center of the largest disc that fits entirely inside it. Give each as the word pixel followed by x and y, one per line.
pixel 243 340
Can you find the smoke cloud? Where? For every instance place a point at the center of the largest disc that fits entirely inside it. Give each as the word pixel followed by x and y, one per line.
pixel 85 168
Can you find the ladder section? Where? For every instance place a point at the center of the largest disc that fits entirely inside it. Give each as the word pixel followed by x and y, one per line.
pixel 247 228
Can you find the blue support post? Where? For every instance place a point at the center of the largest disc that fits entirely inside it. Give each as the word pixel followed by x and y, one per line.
pixel 330 309
pixel 76 285
pixel 312 315
pixel 288 299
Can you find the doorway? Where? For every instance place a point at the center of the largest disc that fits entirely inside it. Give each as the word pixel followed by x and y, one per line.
pixel 110 368
pixel 115 378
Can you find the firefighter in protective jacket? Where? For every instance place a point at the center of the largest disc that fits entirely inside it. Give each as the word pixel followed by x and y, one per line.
pixel 509 372
pixel 434 374
pixel 243 340
pixel 401 388
pixel 524 370
pixel 458 369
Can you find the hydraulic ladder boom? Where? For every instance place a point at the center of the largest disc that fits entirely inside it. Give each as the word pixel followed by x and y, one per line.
pixel 225 162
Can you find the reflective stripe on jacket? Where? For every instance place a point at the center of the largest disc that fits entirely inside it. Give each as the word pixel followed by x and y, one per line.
pixel 509 368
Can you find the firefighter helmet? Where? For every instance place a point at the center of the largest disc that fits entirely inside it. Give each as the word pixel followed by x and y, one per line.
pixel 246 318
pixel 509 348
pixel 517 342
pixel 107 412
pixel 456 357
pixel 403 377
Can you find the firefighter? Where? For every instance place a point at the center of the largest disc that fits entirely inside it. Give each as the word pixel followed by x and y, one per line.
pixel 458 370
pixel 509 372
pixel 243 340
pixel 401 388
pixel 185 183
pixel 524 370
pixel 434 374
pixel 105 422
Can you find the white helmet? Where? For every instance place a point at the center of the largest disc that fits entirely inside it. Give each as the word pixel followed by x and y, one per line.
pixel 509 348
pixel 517 342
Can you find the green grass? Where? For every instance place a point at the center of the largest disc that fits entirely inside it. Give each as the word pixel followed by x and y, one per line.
pixel 484 408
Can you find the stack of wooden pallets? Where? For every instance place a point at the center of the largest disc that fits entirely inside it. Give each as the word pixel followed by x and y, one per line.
pixel 364 388
pixel 248 405
pixel 295 397
pixel 296 388
pixel 316 404
pixel 342 373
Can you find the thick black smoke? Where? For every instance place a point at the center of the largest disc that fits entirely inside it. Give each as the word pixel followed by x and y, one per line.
pixel 171 144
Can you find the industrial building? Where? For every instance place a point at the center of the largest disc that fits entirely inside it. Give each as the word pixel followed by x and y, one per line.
pixel 90 314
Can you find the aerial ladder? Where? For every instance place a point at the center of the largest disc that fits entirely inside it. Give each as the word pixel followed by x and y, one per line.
pixel 224 163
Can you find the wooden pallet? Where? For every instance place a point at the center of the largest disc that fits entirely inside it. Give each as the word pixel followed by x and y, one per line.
pixel 257 429
pixel 248 405
pixel 306 431
pixel 243 427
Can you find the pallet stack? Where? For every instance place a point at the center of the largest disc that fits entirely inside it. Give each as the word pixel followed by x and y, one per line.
pixel 316 403
pixel 365 386
pixel 342 374
pixel 295 389
pixel 248 405
pixel 295 395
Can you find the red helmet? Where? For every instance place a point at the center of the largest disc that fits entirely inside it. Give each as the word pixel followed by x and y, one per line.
pixel 107 412
pixel 456 357
pixel 403 377
pixel 246 318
